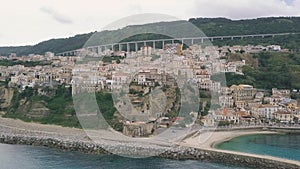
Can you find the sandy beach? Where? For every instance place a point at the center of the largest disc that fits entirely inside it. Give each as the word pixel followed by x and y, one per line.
pixel 207 140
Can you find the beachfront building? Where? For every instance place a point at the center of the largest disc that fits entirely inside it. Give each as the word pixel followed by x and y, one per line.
pixel 226 114
pixel 138 129
pixel 284 116
pixel 266 111
pixel 208 121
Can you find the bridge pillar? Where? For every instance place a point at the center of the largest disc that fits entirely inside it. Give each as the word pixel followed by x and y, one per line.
pixel 120 47
pixel 128 47
pixel 136 46
pixel 232 37
pixel 112 47
pixel 202 40
pixel 193 41
pixel 94 49
pixel 145 44
pixel 154 44
pixel 163 44
pixel 99 49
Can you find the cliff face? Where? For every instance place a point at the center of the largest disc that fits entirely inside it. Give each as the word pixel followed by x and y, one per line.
pixel 6 95
pixel 53 107
pixel 33 109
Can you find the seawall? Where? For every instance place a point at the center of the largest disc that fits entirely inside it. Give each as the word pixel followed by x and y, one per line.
pixel 178 152
pixel 288 130
pixel 70 139
pixel 232 158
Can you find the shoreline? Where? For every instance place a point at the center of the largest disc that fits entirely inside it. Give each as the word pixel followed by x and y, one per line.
pixel 70 139
pixel 209 139
pixel 216 143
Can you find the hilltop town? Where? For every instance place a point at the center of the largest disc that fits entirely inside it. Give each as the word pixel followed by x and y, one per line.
pixel 153 80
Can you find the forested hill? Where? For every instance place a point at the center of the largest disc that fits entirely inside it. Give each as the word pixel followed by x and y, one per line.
pixel 210 26
pixel 223 26
pixel 53 45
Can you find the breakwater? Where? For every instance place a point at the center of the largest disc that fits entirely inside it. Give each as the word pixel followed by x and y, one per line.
pixel 237 159
pixel 69 139
pixel 178 152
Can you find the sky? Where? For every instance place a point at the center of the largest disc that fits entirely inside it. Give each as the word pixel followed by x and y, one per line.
pixel 32 21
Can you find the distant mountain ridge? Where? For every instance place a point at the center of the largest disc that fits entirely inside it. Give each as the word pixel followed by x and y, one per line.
pixel 210 26
pixel 53 45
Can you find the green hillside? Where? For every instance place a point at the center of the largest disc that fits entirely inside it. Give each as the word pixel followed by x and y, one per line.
pixel 53 45
pixel 273 70
pixel 210 26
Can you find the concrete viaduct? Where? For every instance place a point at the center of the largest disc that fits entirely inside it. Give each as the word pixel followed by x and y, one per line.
pixel 134 46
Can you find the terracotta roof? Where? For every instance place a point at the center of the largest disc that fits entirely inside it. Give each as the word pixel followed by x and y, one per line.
pixel 282 112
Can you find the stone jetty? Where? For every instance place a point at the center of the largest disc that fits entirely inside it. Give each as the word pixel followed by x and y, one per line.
pixel 69 139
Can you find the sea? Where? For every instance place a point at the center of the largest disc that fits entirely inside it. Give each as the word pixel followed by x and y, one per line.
pixel 279 145
pixel 30 157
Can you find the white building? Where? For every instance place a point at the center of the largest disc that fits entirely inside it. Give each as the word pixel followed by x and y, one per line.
pixel 265 110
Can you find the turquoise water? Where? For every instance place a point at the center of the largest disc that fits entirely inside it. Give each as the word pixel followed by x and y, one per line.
pixel 284 146
pixel 28 157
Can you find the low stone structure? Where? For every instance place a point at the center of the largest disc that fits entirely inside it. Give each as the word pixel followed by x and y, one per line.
pixel 138 129
pixel 228 158
pixel 178 153
pixel 17 132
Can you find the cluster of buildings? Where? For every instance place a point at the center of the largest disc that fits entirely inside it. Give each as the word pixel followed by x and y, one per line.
pixel 53 71
pixel 170 66
pixel 244 105
pixel 249 49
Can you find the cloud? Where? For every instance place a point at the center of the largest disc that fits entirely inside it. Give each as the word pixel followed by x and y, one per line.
pixel 56 15
pixel 241 9
pixel 135 8
pixel 93 15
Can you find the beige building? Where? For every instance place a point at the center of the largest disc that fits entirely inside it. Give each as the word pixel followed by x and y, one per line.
pixel 243 92
pixel 265 110
pixel 208 121
pixel 138 129
pixel 284 116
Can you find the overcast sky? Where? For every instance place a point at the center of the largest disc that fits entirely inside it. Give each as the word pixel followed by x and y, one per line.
pixel 28 22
